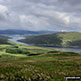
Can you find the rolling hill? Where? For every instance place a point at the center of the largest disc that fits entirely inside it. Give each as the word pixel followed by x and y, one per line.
pixel 32 63
pixel 65 39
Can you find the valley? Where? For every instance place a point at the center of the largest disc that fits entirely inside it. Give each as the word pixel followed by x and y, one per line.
pixel 25 62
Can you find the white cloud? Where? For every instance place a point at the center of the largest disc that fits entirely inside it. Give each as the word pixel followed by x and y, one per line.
pixel 40 14
pixel 66 20
pixel 3 9
pixel 3 12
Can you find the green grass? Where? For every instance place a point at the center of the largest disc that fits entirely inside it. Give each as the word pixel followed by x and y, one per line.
pixel 40 68
pixel 48 66
pixel 70 36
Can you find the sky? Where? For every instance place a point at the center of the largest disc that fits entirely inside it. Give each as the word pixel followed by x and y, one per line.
pixel 37 15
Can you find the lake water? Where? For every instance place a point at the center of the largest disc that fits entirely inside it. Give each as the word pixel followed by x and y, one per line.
pixel 15 38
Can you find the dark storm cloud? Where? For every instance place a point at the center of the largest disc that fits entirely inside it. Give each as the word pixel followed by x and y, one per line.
pixel 40 14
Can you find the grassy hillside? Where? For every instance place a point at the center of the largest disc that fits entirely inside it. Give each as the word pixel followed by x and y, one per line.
pixel 70 36
pixel 47 39
pixel 30 63
pixel 68 39
pixel 71 39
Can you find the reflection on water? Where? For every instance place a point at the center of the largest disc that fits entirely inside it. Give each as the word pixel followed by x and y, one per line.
pixel 15 38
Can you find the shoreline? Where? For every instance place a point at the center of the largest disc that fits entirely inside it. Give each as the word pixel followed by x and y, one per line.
pixel 69 48
pixel 74 47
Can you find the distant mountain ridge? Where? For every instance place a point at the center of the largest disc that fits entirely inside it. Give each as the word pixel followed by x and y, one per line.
pixel 24 32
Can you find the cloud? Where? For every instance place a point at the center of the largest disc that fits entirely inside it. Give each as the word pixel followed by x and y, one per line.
pixel 3 12
pixel 40 14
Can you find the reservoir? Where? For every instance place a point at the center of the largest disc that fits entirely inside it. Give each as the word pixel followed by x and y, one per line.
pixel 16 38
